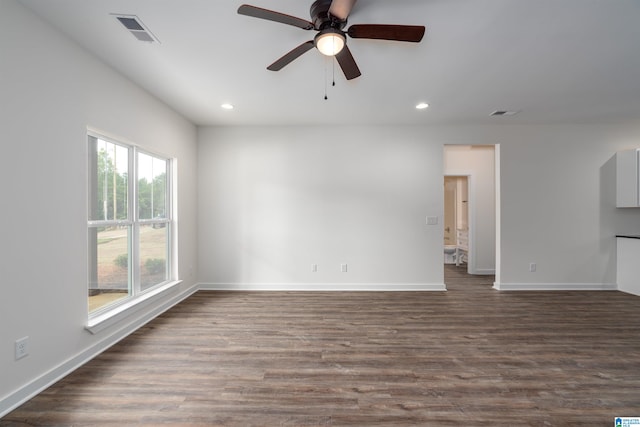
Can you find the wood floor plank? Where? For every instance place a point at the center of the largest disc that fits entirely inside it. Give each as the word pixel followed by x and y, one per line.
pixel 470 356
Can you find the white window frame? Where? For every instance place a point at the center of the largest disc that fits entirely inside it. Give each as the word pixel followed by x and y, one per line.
pixel 97 319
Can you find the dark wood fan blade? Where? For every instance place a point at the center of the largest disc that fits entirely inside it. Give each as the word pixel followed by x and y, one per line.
pixel 341 8
pixel 291 56
pixel 348 64
pixel 401 33
pixel 270 15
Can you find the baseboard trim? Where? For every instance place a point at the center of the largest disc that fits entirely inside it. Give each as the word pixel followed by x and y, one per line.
pixel 329 287
pixel 39 384
pixel 555 286
pixel 484 271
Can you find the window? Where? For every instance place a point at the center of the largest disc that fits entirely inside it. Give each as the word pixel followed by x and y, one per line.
pixel 129 223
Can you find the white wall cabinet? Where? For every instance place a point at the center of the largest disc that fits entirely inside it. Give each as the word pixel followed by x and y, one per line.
pixel 627 179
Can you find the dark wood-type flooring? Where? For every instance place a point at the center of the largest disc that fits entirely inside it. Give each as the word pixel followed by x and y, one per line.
pixel 471 356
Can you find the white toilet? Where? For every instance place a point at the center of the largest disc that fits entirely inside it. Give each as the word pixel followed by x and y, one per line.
pixel 450 252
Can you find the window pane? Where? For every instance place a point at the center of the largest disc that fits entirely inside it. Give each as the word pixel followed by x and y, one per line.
pixel 129 227
pixel 109 266
pixel 153 254
pixel 109 164
pixel 152 187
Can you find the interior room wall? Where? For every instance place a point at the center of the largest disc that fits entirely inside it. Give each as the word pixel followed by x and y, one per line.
pixel 557 201
pixel 478 162
pixel 50 91
pixel 558 204
pixel 274 200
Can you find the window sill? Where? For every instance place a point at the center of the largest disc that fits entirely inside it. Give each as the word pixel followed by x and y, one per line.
pixel 112 317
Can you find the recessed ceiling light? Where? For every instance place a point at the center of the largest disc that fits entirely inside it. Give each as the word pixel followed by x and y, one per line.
pixel 422 106
pixel 227 106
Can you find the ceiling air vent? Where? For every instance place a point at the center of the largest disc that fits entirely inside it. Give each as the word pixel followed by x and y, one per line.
pixel 137 28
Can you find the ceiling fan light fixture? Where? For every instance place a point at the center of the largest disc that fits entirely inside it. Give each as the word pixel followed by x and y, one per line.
pixel 330 41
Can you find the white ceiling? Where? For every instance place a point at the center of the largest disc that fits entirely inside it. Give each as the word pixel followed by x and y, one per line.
pixel 557 61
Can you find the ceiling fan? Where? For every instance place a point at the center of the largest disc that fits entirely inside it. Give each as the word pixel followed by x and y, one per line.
pixel 329 18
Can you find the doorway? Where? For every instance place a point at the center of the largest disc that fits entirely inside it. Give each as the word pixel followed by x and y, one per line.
pixel 456 220
pixel 471 208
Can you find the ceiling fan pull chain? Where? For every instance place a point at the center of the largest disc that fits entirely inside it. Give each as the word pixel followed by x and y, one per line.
pixel 325 80
pixel 333 63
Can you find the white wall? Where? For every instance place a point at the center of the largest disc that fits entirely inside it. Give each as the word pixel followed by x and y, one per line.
pixel 50 91
pixel 274 200
pixel 558 203
pixel 477 161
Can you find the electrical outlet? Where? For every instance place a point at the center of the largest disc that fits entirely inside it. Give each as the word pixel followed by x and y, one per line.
pixel 314 268
pixel 343 268
pixel 22 348
pixel 532 267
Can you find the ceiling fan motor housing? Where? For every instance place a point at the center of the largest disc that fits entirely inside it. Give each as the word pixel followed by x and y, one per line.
pixel 322 19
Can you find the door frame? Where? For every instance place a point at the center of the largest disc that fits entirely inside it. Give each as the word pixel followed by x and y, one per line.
pixel 471 261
